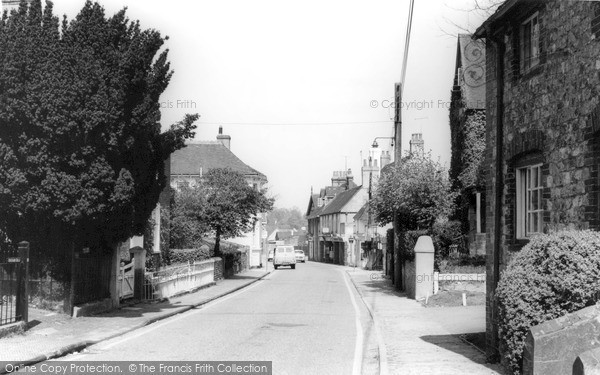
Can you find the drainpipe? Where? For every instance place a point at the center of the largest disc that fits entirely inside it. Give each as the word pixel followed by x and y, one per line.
pixel 499 185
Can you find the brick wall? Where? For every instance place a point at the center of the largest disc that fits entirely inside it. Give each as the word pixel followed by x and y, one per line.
pixel 551 112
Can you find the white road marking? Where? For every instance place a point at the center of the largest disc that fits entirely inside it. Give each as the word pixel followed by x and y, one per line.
pixel 383 365
pixel 357 367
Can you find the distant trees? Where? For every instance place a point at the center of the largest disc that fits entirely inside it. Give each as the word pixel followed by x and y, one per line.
pixel 80 136
pixel 222 204
pixel 286 217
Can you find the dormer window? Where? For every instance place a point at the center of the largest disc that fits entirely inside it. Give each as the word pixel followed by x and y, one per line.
pixel 530 43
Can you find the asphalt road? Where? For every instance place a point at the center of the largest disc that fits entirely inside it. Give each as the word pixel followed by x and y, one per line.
pixel 309 320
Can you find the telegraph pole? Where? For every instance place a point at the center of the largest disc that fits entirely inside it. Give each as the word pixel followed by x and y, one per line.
pixel 397 255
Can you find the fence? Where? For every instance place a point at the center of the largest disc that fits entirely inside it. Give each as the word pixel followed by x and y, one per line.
pixel 178 279
pixel 91 278
pixel 14 269
pixel 47 293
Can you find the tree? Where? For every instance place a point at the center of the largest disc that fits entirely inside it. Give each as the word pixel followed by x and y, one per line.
pixel 222 204
pixel 290 217
pixel 415 192
pixel 82 151
pixel 187 227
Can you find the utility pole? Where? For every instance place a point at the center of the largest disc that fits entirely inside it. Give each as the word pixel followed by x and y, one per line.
pixel 398 259
pixel 397 254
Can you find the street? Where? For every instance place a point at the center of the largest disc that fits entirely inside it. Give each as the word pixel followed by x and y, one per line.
pixel 309 320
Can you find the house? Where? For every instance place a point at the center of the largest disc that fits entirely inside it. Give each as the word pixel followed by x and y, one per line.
pixel 340 181
pixel 336 221
pixel 370 238
pixel 542 127
pixel 188 164
pixel 467 129
pixel 10 5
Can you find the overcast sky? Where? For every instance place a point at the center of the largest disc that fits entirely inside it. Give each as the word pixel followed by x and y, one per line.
pixel 302 87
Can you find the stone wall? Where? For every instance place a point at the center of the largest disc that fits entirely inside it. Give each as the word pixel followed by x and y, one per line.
pixel 551 114
pixel 552 347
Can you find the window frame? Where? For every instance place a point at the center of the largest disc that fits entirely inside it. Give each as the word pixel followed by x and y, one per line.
pixel 524 203
pixel 534 43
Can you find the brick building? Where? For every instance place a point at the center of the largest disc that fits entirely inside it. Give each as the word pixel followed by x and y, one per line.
pixel 542 127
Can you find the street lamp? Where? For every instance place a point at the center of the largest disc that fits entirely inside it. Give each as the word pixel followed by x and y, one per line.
pixel 375 145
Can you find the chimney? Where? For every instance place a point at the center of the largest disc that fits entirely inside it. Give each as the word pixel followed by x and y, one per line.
pixel 349 178
pixel 224 139
pixel 417 145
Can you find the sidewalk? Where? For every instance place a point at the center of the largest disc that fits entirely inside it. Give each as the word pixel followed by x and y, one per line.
pixel 53 335
pixel 418 339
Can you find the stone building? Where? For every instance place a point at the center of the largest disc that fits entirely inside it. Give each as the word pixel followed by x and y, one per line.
pixel 542 127
pixel 467 140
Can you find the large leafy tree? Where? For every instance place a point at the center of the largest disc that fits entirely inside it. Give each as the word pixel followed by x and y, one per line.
pixel 222 203
pixel 413 194
pixel 417 190
pixel 80 136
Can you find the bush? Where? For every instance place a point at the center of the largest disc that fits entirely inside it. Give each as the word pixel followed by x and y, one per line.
pixel 553 275
pixel 445 233
pixel 190 255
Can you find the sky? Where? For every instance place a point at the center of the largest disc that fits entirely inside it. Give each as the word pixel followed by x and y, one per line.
pixel 303 87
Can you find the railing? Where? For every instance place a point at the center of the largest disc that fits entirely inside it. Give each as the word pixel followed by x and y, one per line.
pixel 13 283
pixel 179 279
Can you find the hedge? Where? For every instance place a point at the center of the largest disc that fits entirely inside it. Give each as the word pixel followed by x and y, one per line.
pixel 553 275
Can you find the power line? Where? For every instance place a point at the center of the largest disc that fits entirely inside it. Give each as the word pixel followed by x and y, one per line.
pixel 406 45
pixel 293 123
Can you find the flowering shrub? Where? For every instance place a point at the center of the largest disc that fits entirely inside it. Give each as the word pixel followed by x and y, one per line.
pixel 553 275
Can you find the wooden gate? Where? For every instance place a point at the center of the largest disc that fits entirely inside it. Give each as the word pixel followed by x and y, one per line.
pixel 14 275
pixel 126 281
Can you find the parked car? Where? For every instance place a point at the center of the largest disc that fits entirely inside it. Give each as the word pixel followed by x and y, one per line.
pixel 300 256
pixel 270 258
pixel 284 256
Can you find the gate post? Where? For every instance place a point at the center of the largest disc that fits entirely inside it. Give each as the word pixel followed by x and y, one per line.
pixel 23 300
pixel 139 272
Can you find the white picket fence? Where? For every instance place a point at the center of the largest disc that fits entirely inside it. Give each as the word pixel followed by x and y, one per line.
pixel 179 279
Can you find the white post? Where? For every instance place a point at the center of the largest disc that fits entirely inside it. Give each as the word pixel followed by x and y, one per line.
pixel 156 245
pixel 424 255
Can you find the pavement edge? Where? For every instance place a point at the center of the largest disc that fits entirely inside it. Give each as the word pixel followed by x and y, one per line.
pixel 72 348
pixel 383 365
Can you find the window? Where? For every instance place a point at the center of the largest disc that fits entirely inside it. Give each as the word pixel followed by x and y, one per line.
pixel 342 228
pixel 530 43
pixel 529 201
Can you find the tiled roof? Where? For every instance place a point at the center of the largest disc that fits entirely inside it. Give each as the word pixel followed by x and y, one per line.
pixel 470 56
pixel 208 155
pixel 364 210
pixel 340 200
pixel 315 212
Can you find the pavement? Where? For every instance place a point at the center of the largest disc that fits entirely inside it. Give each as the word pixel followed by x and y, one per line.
pixel 53 335
pixel 412 339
